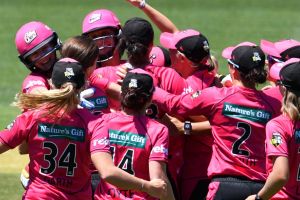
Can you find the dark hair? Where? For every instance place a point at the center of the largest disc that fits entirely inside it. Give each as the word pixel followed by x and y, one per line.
pixel 135 99
pixel 82 48
pixel 137 53
pixel 254 76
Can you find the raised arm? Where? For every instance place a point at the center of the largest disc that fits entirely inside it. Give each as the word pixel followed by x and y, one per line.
pixel 160 20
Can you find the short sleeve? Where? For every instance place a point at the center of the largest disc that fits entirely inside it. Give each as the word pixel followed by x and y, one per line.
pixel 276 139
pixel 160 147
pixel 17 132
pixel 100 137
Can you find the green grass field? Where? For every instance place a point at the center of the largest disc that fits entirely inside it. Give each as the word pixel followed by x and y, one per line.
pixel 224 22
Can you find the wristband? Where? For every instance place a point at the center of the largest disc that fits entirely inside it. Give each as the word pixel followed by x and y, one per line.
pixel 257 197
pixel 187 127
pixel 142 4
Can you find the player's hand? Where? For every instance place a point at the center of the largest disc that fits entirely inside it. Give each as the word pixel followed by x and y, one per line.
pixel 177 123
pixel 156 188
pixel 135 3
pixel 251 197
pixel 122 71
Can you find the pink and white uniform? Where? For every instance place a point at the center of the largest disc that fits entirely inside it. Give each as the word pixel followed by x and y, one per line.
pixel 238 117
pixel 59 153
pixel 195 169
pixel 134 140
pixel 35 80
pixel 283 139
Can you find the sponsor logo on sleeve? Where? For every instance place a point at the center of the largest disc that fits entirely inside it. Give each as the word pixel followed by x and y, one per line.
pixel 160 149
pixel 61 132
pixel 102 142
pixel 127 139
pixel 9 126
pixel 276 139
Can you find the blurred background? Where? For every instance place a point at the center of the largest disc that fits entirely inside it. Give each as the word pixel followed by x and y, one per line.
pixel 223 22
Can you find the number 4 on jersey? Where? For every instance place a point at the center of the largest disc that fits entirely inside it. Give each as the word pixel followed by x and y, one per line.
pixel 127 161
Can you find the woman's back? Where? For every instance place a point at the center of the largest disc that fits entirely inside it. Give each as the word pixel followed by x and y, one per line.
pixel 135 140
pixel 59 153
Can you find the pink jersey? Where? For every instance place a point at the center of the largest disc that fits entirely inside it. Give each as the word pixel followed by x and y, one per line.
pixel 283 139
pixel 274 92
pixel 134 140
pixel 34 80
pixel 238 117
pixel 59 153
pixel 195 145
pixel 198 81
pixel 164 77
pixel 167 79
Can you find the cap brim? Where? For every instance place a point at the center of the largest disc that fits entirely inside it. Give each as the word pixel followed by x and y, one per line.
pixel 269 48
pixel 166 40
pixel 169 40
pixel 140 71
pixel 275 69
pixel 286 44
pixel 226 53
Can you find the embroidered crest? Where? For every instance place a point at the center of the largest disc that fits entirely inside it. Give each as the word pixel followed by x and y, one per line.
pixel 95 17
pixel 30 36
pixel 196 94
pixel 205 46
pixel 133 83
pixel 256 57
pixel 276 139
pixel 69 73
pixel 152 57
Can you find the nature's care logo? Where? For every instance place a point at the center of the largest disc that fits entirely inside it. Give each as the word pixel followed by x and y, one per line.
pixel 240 112
pixel 127 139
pixel 56 131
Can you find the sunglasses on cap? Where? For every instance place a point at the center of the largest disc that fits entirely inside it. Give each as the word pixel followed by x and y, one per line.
pixel 233 64
pixel 272 60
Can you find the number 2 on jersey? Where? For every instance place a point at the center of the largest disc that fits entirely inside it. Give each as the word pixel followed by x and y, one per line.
pixel 246 134
pixel 67 159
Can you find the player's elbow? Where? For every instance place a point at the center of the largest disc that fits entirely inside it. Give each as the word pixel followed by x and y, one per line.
pixel 282 178
pixel 23 148
pixel 107 175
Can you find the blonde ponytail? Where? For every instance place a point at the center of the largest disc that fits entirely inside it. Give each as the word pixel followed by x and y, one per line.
pixel 291 105
pixel 56 101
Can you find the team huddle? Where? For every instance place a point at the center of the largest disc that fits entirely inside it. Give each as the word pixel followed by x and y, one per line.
pixel 160 124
